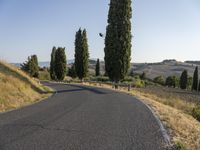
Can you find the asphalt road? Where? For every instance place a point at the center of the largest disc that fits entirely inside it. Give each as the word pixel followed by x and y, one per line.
pixel 81 118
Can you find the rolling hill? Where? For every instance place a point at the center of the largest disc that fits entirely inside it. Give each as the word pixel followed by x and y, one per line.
pixel 165 68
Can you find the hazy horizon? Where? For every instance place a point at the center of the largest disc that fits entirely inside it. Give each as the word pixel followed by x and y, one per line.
pixel 161 29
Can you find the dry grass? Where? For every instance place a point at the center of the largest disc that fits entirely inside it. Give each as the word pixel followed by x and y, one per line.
pixel 174 113
pixel 183 127
pixel 17 89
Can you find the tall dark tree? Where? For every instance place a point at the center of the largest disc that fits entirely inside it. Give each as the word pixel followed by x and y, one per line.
pixel 97 69
pixel 60 64
pixel 72 71
pixel 143 76
pixel 118 40
pixel 85 54
pixel 195 80
pixel 52 64
pixel 184 80
pixel 199 86
pixel 34 71
pixel 81 54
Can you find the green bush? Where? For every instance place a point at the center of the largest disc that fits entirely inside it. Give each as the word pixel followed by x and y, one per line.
pixel 128 79
pixel 196 113
pixel 138 83
pixel 160 80
pixel 179 146
pixel 100 79
pixel 44 75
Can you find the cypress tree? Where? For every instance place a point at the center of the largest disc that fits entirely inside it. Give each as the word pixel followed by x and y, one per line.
pixel 184 80
pixel 85 54
pixel 78 51
pixel 34 70
pixel 60 64
pixel 72 71
pixel 81 54
pixel 195 80
pixel 97 69
pixel 199 86
pixel 52 64
pixel 118 40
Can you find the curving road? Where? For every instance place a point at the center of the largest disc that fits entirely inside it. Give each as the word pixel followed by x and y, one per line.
pixel 81 118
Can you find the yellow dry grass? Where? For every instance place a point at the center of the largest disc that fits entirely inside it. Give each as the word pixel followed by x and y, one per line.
pixel 17 89
pixel 184 128
pixel 174 114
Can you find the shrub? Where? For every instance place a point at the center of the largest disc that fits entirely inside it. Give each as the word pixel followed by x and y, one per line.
pixel 138 83
pixel 100 79
pixel 179 146
pixel 44 75
pixel 128 79
pixel 196 113
pixel 172 81
pixel 160 80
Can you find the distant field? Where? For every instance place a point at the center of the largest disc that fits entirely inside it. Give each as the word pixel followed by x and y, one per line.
pixel 172 93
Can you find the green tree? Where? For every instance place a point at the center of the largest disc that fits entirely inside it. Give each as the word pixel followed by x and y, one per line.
pixel 34 70
pixel 184 80
pixel 143 76
pixel 81 54
pixel 72 71
pixel 31 66
pixel 26 65
pixel 195 80
pixel 78 51
pixel 97 69
pixel 159 79
pixel 189 84
pixel 85 54
pixel 60 64
pixel 118 40
pixel 52 64
pixel 172 81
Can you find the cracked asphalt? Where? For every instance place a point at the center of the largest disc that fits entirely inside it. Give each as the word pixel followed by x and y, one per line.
pixel 81 118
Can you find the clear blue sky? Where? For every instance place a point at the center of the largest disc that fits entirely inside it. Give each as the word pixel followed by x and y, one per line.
pixel 162 28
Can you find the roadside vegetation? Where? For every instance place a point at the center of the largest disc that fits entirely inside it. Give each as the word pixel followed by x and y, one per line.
pixel 175 99
pixel 18 89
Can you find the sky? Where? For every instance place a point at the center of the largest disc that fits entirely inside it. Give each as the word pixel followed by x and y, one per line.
pixel 162 29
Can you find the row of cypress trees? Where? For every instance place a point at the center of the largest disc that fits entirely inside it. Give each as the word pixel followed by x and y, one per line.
pixel 31 66
pixel 81 54
pixel 184 79
pixel 58 64
pixel 117 46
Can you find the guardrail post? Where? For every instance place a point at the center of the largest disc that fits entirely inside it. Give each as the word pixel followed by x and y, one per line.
pixel 129 87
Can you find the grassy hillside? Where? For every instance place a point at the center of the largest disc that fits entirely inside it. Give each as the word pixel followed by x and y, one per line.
pixel 17 89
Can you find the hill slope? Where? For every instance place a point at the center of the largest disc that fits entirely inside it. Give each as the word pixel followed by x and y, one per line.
pixel 165 68
pixel 18 89
pixel 152 70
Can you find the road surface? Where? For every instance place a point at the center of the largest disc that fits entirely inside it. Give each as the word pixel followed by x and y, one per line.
pixel 81 118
